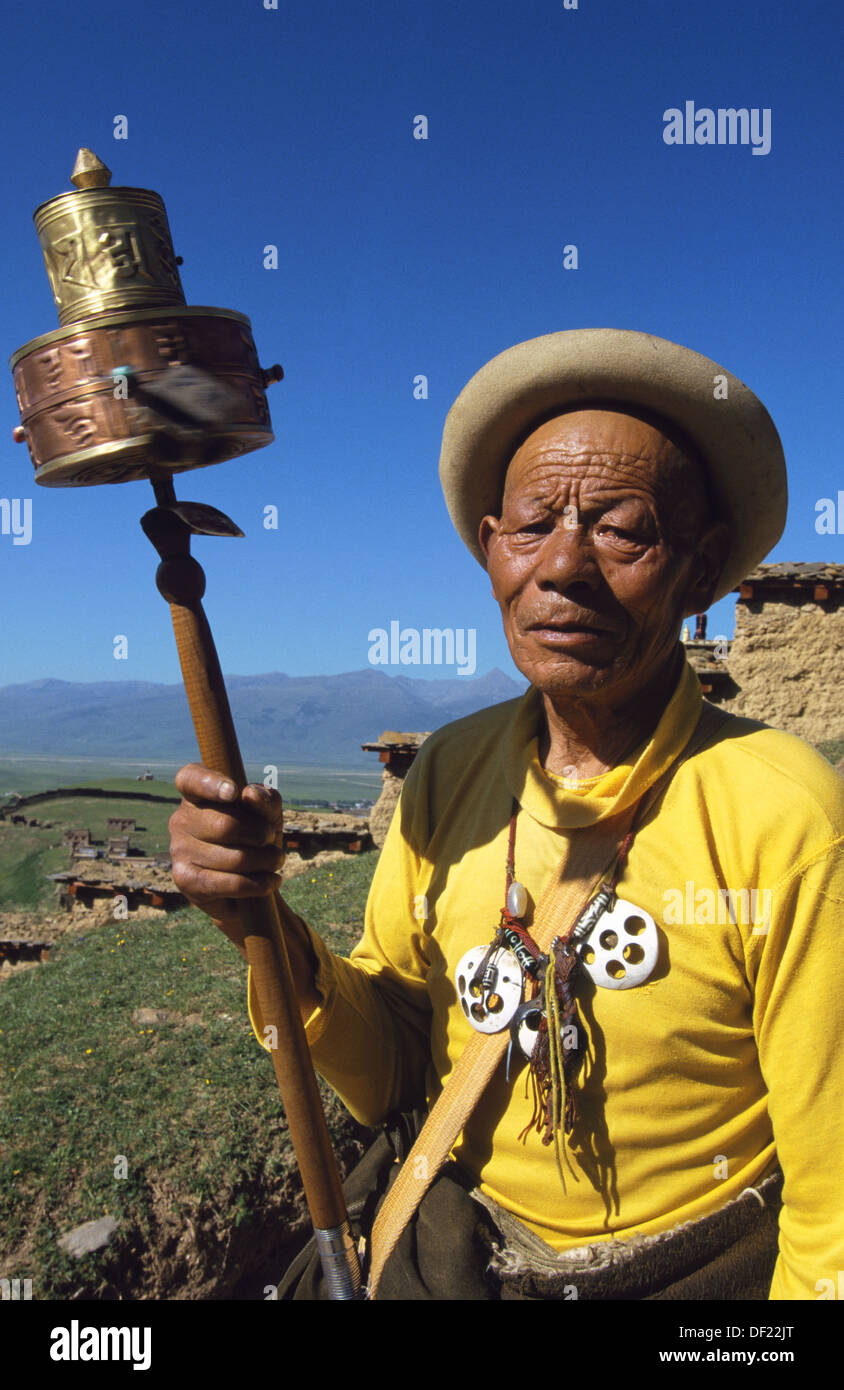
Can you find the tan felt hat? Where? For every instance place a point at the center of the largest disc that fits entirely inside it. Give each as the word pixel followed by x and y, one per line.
pixel 524 386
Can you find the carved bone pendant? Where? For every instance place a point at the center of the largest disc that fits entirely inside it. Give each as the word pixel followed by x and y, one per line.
pixel 622 949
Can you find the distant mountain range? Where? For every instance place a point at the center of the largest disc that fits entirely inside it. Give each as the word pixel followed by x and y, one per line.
pixel 280 719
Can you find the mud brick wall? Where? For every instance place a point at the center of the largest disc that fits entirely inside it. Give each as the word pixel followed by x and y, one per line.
pixel 397 752
pixel 788 660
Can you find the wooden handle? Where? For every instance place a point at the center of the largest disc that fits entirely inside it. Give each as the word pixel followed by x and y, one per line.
pixel 264 942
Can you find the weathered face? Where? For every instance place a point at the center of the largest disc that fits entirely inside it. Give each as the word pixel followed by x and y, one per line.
pixel 603 546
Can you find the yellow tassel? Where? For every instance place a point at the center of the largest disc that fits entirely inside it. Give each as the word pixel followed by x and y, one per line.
pixel 558 1079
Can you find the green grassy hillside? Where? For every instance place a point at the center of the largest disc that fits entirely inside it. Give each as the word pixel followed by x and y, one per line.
pixel 211 1201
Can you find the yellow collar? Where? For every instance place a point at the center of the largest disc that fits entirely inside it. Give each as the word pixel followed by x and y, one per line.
pixel 545 796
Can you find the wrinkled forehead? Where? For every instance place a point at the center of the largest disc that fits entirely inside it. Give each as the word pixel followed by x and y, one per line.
pixel 647 450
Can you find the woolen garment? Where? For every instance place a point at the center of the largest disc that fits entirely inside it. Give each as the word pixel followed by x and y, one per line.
pixel 726 1059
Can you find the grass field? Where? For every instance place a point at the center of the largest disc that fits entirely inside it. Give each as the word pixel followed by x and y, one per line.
pixel 833 750
pixel 25 775
pixel 29 853
pixel 211 1200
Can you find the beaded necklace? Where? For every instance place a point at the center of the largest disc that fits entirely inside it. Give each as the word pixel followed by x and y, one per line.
pixel 545 1027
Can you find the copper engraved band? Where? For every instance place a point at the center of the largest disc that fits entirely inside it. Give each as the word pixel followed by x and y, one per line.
pixel 81 430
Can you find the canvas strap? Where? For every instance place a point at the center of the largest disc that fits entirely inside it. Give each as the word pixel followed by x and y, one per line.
pixel 590 855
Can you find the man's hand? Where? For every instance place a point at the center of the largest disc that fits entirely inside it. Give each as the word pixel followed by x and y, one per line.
pixel 224 846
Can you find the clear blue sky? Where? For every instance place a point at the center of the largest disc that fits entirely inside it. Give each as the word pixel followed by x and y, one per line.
pixel 399 256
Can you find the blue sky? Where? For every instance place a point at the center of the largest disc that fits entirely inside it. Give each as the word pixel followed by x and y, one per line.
pixel 398 257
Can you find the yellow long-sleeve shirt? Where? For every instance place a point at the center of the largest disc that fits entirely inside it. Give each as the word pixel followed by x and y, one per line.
pixel 727 1057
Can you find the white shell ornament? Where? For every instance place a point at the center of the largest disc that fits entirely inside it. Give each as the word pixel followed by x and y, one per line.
pixel 489 1003
pixel 528 1030
pixel 525 1029
pixel 622 949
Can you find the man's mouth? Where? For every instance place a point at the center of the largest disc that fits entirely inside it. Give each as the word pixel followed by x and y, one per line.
pixel 570 626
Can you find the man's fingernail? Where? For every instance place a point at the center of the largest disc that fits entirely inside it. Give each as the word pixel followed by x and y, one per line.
pixel 227 791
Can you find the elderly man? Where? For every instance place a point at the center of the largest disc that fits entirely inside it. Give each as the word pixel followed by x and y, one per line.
pixel 624 1080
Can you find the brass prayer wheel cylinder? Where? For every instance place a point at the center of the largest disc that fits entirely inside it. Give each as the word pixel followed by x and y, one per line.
pixel 83 429
pixel 134 381
pixel 107 249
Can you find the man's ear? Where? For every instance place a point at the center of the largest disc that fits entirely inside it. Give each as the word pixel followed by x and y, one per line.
pixel 710 557
pixel 487 531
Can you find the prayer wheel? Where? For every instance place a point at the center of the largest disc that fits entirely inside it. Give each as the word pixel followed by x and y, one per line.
pixel 134 383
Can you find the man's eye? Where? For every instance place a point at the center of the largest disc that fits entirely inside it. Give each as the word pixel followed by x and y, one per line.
pixel 630 538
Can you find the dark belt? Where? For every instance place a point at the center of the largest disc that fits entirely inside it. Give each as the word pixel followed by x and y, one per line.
pixel 728 1255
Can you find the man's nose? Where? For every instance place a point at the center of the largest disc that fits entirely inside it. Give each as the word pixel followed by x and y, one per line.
pixel 566 557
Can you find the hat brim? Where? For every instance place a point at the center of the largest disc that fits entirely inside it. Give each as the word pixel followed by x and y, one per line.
pixel 520 388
